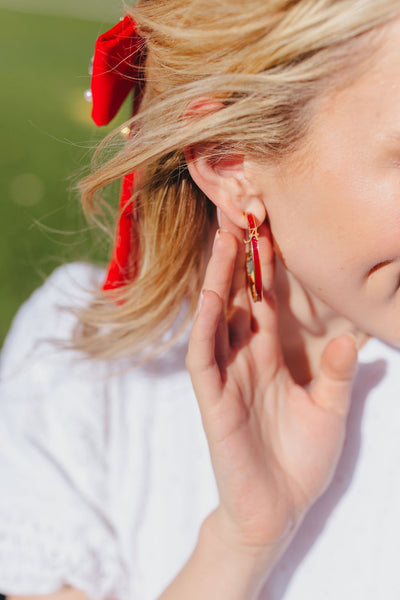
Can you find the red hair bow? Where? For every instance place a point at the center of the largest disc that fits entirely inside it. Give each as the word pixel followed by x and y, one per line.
pixel 117 70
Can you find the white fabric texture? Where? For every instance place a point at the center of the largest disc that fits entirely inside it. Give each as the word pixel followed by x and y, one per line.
pixel 54 529
pixel 106 479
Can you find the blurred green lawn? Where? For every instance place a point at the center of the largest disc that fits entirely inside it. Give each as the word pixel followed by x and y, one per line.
pixel 86 9
pixel 46 131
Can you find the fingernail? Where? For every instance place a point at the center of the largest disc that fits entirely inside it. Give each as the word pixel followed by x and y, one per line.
pixel 353 337
pixel 218 233
pixel 200 300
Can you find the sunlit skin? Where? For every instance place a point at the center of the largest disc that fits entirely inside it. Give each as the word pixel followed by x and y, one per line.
pixel 334 209
pixel 329 248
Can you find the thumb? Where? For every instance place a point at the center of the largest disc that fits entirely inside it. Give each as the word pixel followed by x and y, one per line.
pixel 332 387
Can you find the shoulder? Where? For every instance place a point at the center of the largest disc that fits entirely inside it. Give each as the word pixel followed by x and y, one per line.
pixel 34 357
pixel 54 451
pixel 39 377
pixel 40 380
pixel 69 285
pixel 47 314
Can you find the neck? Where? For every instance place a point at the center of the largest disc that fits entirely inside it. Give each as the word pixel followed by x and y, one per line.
pixel 306 324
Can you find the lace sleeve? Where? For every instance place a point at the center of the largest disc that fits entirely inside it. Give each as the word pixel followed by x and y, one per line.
pixel 55 528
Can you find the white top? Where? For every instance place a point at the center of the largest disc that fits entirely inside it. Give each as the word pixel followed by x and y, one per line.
pixel 105 480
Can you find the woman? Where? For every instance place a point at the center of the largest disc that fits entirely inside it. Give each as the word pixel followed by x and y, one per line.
pixel 285 120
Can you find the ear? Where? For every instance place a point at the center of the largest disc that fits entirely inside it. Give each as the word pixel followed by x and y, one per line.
pixel 222 176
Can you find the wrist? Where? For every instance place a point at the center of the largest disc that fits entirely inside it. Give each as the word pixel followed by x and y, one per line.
pixel 242 571
pixel 221 568
pixel 257 560
pixel 265 539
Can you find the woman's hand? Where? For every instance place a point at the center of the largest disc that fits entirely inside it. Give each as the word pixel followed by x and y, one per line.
pixel 274 445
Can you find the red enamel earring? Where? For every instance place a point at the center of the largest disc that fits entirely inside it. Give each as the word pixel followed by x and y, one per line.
pixel 253 266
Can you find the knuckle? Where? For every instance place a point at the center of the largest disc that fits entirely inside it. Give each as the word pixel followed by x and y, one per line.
pixel 231 239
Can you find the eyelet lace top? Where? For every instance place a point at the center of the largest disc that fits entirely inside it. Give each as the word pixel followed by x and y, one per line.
pixel 91 478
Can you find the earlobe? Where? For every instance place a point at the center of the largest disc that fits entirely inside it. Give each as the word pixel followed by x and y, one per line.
pixel 256 207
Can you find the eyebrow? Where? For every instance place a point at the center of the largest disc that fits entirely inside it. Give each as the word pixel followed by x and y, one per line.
pixel 379 266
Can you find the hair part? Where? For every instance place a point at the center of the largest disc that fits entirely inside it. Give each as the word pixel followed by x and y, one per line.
pixel 267 65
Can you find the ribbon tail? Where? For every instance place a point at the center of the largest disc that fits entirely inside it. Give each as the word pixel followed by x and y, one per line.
pixel 123 267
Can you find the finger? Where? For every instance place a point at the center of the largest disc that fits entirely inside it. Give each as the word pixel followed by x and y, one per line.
pixel 224 222
pixel 201 360
pixel 239 315
pixel 240 310
pixel 238 290
pixel 239 280
pixel 332 387
pixel 221 266
pixel 218 278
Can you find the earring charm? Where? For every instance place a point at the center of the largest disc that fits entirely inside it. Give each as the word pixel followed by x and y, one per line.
pixel 253 266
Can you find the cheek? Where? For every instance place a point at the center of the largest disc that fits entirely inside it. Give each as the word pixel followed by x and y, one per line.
pixel 331 231
pixel 315 246
pixel 323 261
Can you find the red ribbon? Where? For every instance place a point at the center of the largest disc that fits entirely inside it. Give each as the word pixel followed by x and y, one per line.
pixel 117 70
pixel 123 262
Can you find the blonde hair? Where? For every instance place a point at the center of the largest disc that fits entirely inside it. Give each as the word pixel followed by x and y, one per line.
pixel 265 60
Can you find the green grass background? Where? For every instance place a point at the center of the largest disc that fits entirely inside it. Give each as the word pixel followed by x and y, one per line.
pixel 45 135
pixel 94 10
